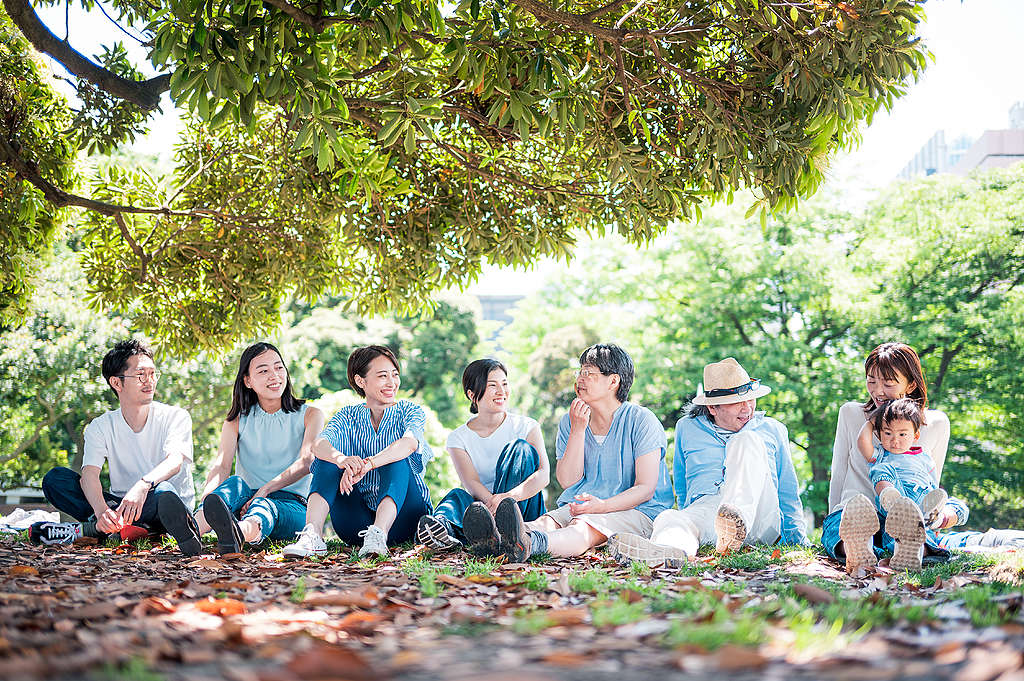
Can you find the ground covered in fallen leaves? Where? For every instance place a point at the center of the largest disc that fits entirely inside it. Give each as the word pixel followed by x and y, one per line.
pixel 146 612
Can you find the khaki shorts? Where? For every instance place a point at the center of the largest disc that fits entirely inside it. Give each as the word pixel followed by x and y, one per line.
pixel 606 523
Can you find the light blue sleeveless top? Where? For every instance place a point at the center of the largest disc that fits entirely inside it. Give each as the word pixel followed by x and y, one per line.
pixel 268 444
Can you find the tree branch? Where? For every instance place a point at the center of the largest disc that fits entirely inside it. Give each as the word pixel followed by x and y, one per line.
pixel 577 22
pixel 143 93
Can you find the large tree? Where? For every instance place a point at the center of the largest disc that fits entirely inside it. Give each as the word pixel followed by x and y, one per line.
pixel 384 150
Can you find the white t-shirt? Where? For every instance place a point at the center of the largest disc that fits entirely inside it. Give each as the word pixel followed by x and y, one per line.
pixel 484 451
pixel 131 455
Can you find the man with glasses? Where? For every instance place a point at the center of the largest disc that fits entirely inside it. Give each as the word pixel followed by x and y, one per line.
pixel 734 478
pixel 147 446
pixel 610 461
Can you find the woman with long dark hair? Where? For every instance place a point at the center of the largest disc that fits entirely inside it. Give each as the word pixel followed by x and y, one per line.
pixel 268 436
pixel 368 470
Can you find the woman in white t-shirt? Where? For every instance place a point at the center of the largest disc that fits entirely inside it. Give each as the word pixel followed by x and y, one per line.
pixel 497 454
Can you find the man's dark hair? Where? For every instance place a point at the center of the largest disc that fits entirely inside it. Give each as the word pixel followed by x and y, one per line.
pixel 903 409
pixel 116 360
pixel 611 359
pixel 474 379
pixel 359 363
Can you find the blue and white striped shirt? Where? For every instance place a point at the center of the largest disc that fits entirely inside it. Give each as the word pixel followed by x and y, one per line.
pixel 351 432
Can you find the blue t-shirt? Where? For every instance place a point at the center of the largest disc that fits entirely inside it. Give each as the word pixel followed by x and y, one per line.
pixel 268 444
pixel 609 468
pixel 351 432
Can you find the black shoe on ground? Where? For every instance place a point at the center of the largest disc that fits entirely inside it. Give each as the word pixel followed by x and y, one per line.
pixel 55 534
pixel 179 523
pixel 515 540
pixel 482 537
pixel 222 521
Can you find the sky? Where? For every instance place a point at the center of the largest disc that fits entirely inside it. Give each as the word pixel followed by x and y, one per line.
pixel 975 78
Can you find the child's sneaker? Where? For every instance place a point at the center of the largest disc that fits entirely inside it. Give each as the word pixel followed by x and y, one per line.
pixel 55 534
pixel 375 541
pixel 905 524
pixel 730 529
pixel 887 497
pixel 433 534
pixel 307 543
pixel 932 506
pixel 857 527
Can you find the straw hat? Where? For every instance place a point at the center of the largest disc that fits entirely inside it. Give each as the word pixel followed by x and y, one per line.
pixel 721 381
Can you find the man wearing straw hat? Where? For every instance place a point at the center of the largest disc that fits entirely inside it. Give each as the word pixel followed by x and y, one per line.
pixel 734 478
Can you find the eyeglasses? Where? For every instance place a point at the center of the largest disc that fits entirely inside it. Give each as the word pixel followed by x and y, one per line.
pixel 144 376
pixel 587 373
pixel 738 390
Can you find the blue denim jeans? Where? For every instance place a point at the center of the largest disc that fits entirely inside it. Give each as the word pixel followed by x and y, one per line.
pixel 280 514
pixel 350 513
pixel 517 461
pixel 62 487
pixel 883 543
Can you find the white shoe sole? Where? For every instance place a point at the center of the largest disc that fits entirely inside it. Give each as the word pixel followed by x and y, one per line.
pixel 857 527
pixel 431 533
pixel 905 524
pixel 729 528
pixel 932 504
pixel 289 552
pixel 627 547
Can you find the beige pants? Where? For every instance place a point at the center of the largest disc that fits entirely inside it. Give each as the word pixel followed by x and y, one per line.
pixel 607 524
pixel 749 486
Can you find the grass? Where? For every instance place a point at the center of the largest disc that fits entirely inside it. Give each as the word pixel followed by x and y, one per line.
pixel 617 612
pixel 480 566
pixel 426 574
pixel 135 669
pixel 298 590
pixel 534 580
pixel 744 629
pixel 593 581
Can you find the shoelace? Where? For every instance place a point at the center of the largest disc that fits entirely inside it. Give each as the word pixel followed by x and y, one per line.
pixel 60 532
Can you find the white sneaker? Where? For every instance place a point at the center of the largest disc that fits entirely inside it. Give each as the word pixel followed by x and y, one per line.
pixel 626 547
pixel 307 543
pixel 374 541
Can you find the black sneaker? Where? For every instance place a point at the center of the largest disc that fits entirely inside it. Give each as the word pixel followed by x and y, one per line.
pixel 482 537
pixel 55 534
pixel 433 534
pixel 179 523
pixel 222 520
pixel 515 540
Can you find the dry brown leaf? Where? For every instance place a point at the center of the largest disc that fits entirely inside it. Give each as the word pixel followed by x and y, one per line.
pixel 631 596
pixel 733 657
pixel 222 607
pixel 212 563
pixel 226 585
pixel 568 616
pixel 814 594
pixel 453 581
pixel 776 554
pixel 359 621
pixel 154 605
pixel 22 571
pixel 565 658
pixel 985 665
pixel 485 579
pixel 326 661
pixel 353 598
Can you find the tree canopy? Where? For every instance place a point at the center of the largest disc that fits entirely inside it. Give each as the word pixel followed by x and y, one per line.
pixel 381 151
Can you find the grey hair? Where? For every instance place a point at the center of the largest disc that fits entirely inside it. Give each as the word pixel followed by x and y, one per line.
pixel 693 410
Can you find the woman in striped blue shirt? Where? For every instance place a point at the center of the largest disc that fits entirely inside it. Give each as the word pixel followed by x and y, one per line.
pixel 368 470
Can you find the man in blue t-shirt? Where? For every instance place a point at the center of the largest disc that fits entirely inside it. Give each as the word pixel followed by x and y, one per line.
pixel 734 478
pixel 611 462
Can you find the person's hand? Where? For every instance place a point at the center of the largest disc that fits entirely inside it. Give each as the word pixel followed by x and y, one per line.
pixel 261 492
pixel 109 521
pixel 944 519
pixel 587 503
pixel 579 414
pixel 492 503
pixel 346 484
pixel 131 506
